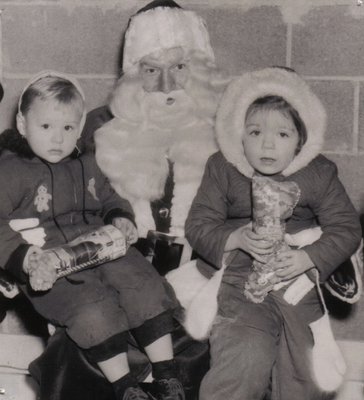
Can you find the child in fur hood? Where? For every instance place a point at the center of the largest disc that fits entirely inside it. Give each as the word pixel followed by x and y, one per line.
pixel 270 124
pixel 61 194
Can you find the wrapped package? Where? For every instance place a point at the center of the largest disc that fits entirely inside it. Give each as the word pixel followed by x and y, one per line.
pixel 88 250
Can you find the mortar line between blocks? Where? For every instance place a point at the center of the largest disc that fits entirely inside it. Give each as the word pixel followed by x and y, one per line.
pixel 356 108
pixel 9 75
pixel 358 78
pixel 289 45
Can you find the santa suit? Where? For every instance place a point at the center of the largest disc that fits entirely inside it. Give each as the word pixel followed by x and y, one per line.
pixel 161 135
pixel 138 155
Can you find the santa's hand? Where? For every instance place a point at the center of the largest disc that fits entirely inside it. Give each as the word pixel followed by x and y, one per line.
pixel 291 263
pixel 127 228
pixel 143 217
pixel 40 267
pixel 245 239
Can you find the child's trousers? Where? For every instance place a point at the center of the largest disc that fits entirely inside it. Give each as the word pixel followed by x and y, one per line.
pixel 255 345
pixel 100 305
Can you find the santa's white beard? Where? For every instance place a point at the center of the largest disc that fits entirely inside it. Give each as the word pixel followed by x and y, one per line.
pixel 132 150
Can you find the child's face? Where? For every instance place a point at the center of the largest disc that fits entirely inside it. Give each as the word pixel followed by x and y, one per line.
pixel 270 141
pixel 51 128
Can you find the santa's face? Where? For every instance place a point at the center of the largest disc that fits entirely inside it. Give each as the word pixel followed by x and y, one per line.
pixel 168 87
pixel 164 71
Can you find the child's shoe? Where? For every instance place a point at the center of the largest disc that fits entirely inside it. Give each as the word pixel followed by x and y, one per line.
pixel 168 389
pixel 135 393
pixel 127 388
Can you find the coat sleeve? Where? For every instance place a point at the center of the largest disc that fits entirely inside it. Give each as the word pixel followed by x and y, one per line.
pixel 207 228
pixel 338 219
pixel 13 247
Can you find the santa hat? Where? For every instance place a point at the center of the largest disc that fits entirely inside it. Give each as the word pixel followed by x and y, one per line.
pixel 163 25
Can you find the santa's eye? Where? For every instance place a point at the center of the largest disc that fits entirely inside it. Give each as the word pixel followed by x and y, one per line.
pixel 178 67
pixel 149 69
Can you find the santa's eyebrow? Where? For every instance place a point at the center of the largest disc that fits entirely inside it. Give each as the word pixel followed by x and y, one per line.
pixel 149 65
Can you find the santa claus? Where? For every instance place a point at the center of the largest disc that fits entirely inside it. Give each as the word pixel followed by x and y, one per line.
pixel 155 147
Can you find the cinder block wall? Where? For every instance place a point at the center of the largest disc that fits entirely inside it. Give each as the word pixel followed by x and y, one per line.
pixel 323 40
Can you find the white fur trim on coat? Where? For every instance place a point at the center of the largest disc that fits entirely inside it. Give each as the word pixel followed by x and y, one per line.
pixel 243 91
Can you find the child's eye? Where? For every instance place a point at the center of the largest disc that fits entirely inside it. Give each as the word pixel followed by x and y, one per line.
pixel 283 134
pixel 45 126
pixel 68 128
pixel 254 132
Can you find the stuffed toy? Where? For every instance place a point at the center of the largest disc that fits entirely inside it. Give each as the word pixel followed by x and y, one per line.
pixel 273 203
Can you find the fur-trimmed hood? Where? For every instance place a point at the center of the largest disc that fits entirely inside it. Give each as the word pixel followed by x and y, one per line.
pixel 247 88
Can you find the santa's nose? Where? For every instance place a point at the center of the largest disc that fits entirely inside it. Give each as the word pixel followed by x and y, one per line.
pixel 167 82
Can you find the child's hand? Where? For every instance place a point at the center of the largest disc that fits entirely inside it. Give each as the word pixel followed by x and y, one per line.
pixel 41 270
pixel 292 263
pixel 127 228
pixel 245 239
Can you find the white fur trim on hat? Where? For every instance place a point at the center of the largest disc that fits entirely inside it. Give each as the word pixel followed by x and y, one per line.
pixel 244 90
pixel 164 28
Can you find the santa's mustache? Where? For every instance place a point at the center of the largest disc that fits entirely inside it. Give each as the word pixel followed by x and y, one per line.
pixel 172 106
